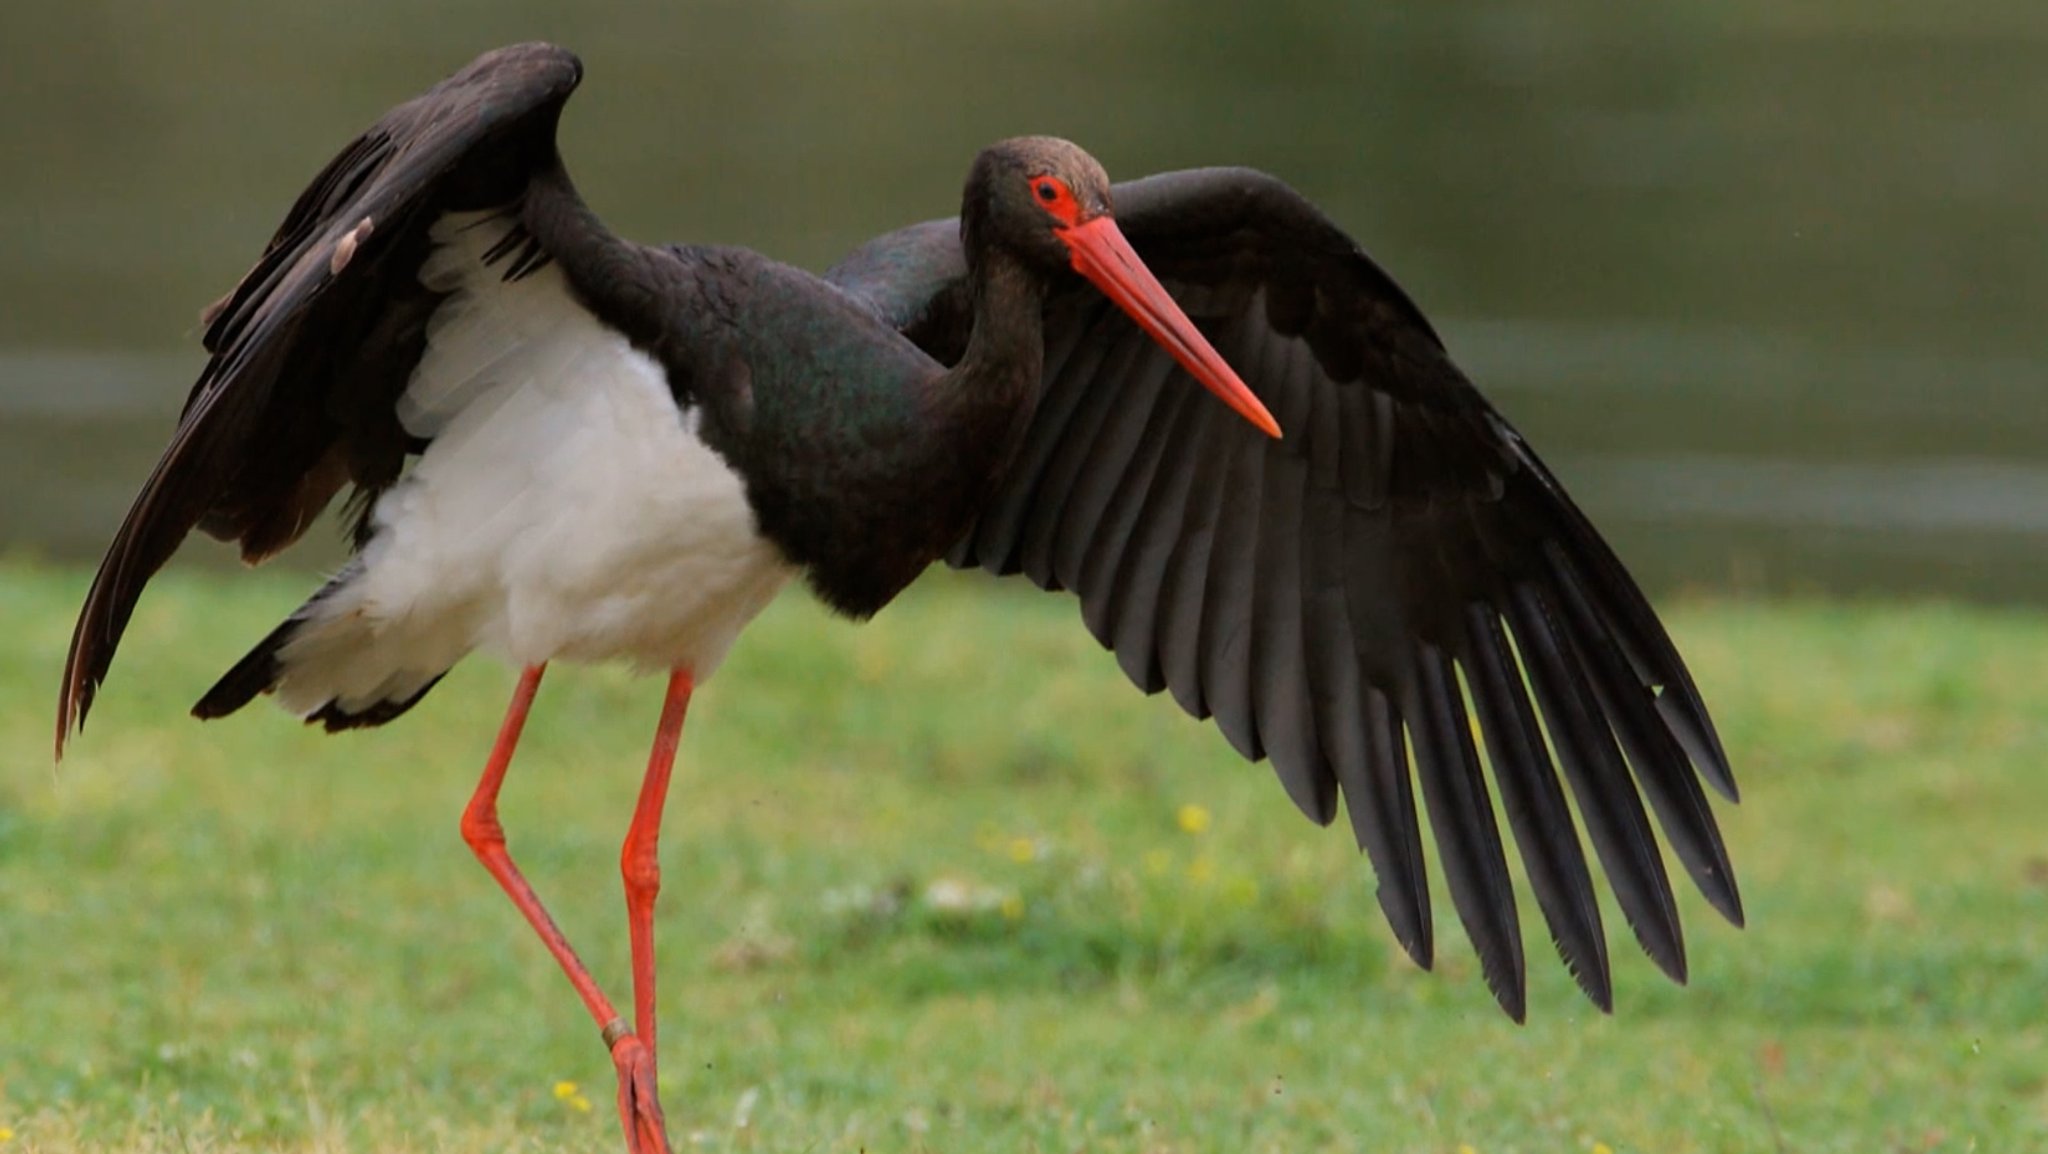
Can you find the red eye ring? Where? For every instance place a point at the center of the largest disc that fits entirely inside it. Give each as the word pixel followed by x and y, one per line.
pixel 1056 199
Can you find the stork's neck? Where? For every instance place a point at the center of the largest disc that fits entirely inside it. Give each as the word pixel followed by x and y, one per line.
pixel 1006 350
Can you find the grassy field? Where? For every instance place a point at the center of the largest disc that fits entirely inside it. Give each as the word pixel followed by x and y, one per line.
pixel 946 883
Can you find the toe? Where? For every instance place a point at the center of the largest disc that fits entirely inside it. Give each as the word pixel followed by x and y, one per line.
pixel 639 1103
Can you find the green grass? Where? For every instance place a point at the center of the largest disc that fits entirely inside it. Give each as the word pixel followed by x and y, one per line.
pixel 249 935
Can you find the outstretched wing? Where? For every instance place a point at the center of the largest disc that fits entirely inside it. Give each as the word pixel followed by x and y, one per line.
pixel 312 349
pixel 1343 600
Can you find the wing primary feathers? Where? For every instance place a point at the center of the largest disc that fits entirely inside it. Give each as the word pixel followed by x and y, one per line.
pixel 1387 760
pixel 1536 807
pixel 1065 334
pixel 1614 816
pixel 1111 486
pixel 1109 471
pixel 1660 763
pixel 999 534
pixel 1362 739
pixel 1385 822
pixel 1323 438
pixel 1363 467
pixel 1686 715
pixel 1280 671
pixel 1461 813
pixel 1182 591
pixel 1102 598
pixel 1228 601
pixel 980 547
pixel 1388 453
pixel 1135 587
pixel 1054 513
pixel 1634 624
pixel 1230 593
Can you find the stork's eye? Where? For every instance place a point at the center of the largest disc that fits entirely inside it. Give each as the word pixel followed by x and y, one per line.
pixel 1057 200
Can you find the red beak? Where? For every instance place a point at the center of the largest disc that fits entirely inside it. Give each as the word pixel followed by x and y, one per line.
pixel 1101 254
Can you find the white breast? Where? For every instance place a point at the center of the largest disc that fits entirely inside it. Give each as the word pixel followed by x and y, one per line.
pixel 566 508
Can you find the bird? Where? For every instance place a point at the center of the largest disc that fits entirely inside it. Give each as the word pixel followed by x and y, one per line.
pixel 562 445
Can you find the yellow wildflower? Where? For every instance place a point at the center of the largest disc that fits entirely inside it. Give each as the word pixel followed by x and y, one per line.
pixel 1013 908
pixel 1022 849
pixel 1193 818
pixel 6 1135
pixel 569 1095
pixel 1602 1148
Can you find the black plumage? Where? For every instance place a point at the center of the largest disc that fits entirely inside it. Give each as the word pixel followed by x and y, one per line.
pixel 1348 600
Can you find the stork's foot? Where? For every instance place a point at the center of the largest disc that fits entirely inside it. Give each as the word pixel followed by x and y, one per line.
pixel 639 1108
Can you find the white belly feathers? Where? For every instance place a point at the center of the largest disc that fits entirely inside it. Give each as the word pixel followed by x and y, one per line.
pixel 565 508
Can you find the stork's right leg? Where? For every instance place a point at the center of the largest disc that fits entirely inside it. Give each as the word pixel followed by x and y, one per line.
pixel 486 838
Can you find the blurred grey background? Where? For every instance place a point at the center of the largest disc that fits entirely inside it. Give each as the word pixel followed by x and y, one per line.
pixel 1764 281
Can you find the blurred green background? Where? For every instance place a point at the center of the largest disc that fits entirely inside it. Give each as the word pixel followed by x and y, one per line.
pixel 1764 281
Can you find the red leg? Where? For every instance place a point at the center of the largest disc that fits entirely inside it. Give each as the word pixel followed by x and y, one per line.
pixel 640 859
pixel 486 838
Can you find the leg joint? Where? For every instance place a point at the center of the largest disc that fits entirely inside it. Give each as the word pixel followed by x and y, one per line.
pixel 480 828
pixel 640 865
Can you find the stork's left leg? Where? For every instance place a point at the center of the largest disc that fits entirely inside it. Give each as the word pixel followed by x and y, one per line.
pixel 640 863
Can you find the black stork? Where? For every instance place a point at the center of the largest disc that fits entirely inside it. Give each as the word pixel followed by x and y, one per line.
pixel 564 445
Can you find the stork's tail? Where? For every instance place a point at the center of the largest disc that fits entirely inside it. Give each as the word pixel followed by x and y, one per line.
pixel 333 664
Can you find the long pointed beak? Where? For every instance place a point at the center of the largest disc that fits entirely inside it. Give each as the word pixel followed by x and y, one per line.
pixel 1101 254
